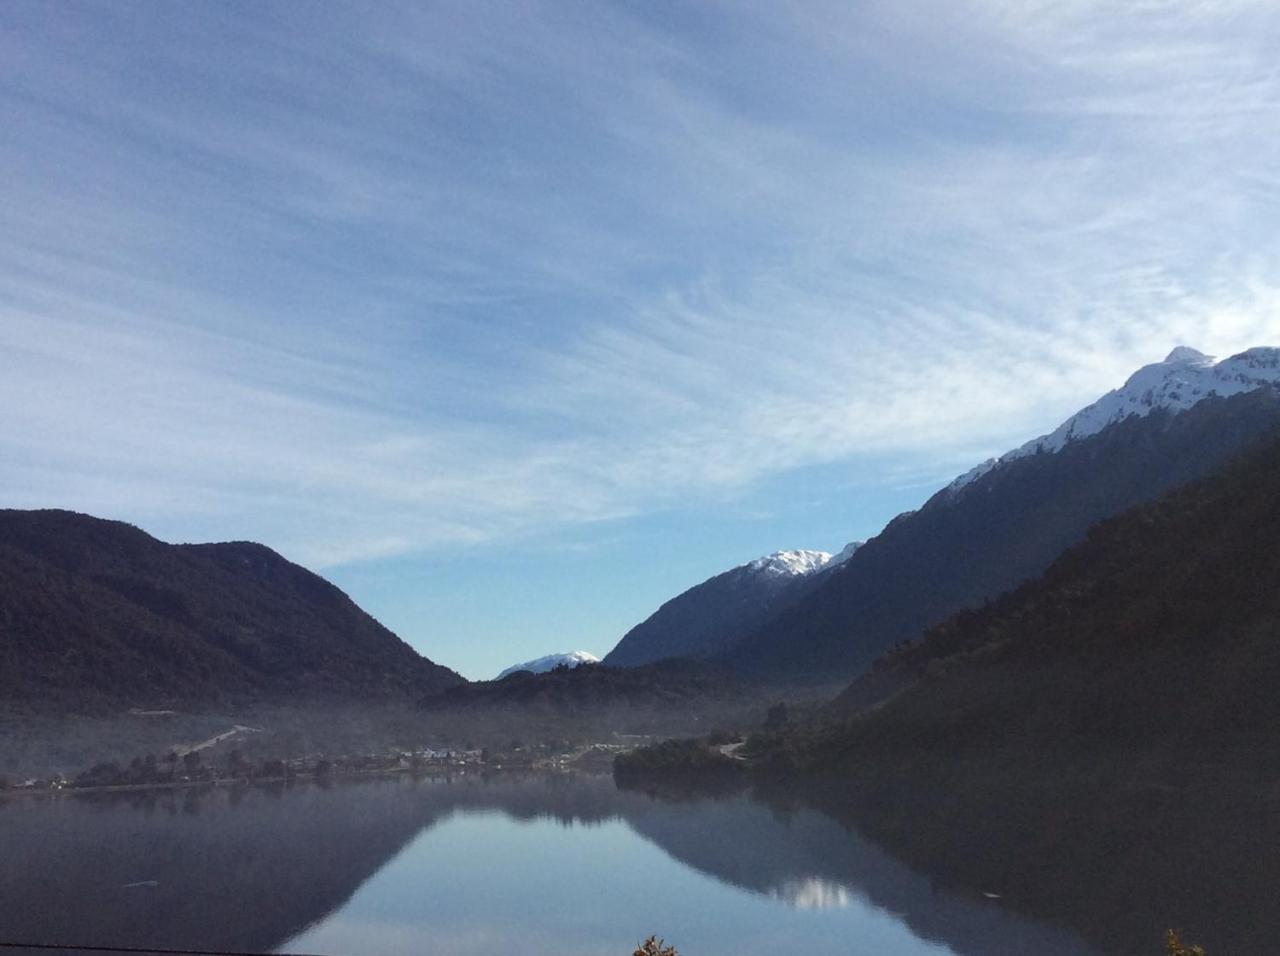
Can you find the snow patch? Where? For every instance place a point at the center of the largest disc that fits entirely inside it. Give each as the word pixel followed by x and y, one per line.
pixel 798 563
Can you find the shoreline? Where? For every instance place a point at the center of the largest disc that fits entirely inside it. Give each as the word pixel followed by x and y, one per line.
pixel 416 772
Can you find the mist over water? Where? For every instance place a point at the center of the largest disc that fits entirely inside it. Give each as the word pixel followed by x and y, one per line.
pixel 474 866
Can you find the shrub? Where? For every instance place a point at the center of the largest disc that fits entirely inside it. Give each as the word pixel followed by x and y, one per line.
pixel 1173 945
pixel 655 947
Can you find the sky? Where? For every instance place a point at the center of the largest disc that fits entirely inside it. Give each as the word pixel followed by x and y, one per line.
pixel 517 319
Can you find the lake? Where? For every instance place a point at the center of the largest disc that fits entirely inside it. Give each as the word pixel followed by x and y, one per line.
pixel 508 864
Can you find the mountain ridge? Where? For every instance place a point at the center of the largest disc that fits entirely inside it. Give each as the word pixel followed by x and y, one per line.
pixel 1157 629
pixel 1007 526
pixel 736 618
pixel 98 614
pixel 706 617
pixel 1182 380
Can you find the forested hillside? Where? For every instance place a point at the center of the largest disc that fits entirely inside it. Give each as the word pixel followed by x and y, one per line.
pixel 98 615
pixel 1158 637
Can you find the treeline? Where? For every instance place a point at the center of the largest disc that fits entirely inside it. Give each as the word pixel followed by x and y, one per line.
pixel 591 688
pixel 1153 637
pixel 190 767
pixel 172 769
pixel 700 757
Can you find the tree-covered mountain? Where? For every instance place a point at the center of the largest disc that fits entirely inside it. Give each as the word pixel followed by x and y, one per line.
pixel 1158 635
pixel 593 688
pixel 1097 746
pixel 712 615
pixel 971 542
pixel 98 615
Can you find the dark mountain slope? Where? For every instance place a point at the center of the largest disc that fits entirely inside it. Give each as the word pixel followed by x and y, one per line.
pixel 97 614
pixel 1100 744
pixel 1098 747
pixel 1160 633
pixel 967 546
pixel 710 616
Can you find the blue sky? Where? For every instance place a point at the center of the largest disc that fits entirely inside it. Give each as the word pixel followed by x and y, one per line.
pixel 516 319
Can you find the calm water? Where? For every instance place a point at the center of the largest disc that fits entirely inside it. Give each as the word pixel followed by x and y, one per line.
pixel 510 865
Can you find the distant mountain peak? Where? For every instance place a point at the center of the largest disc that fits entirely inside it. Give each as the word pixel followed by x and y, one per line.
pixel 541 665
pixel 709 616
pixel 1185 378
pixel 791 563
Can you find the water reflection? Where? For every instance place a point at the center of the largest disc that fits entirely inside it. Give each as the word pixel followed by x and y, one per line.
pixel 535 864
pixel 812 893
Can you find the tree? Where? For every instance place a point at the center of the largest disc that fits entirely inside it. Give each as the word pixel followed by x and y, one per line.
pixel 273 768
pixel 655 947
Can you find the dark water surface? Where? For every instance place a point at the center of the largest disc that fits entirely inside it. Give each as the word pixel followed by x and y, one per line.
pixel 564 865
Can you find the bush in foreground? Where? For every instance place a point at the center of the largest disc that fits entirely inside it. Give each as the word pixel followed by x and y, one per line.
pixel 1173 945
pixel 655 947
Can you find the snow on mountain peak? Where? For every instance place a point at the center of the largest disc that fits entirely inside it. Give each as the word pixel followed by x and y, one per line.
pixel 1185 354
pixel 791 563
pixel 1183 379
pixel 797 563
pixel 543 664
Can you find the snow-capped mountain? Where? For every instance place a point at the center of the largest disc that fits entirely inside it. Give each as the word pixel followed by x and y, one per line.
pixel 1185 378
pixel 811 615
pixel 796 563
pixel 543 664
pixel 1005 521
pixel 714 614
pixel 790 562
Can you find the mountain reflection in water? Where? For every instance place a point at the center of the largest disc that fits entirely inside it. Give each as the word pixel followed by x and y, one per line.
pixel 529 864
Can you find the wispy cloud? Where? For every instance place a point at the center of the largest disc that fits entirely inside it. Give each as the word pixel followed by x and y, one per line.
pixel 418 277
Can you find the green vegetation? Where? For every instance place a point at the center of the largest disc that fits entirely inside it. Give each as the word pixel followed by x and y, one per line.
pixel 680 757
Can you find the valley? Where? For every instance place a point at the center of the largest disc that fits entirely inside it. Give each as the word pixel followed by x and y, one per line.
pixel 632 477
pixel 1031 663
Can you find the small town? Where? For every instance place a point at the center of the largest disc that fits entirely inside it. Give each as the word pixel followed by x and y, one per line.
pixel 184 767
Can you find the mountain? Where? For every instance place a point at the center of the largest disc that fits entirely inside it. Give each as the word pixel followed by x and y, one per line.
pixel 1083 742
pixel 1179 382
pixel 1078 741
pixel 99 615
pixel 1004 522
pixel 1156 635
pixel 666 686
pixel 541 665
pixel 712 615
